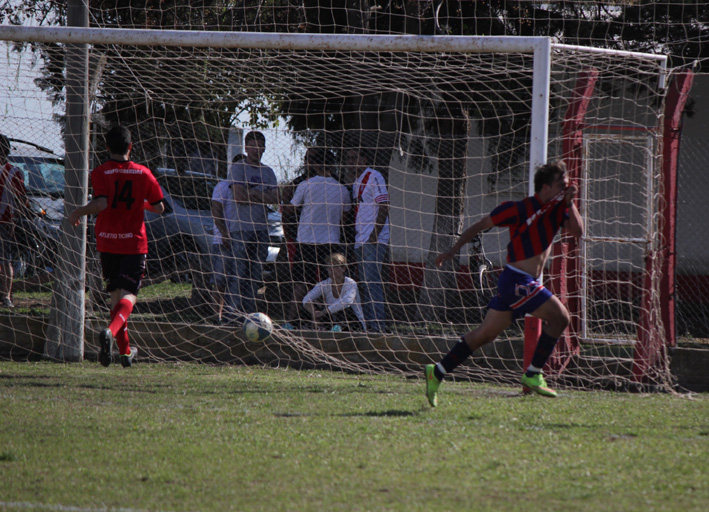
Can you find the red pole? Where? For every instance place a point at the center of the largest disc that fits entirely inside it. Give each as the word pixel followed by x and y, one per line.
pixel 563 276
pixel 569 262
pixel 651 342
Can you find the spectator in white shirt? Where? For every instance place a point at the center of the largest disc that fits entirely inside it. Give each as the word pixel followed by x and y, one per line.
pixel 223 264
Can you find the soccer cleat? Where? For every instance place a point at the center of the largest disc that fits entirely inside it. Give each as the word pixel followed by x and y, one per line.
pixel 432 384
pixel 127 360
pixel 537 384
pixel 105 340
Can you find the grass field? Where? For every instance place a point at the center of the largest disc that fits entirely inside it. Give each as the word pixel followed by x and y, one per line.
pixel 81 437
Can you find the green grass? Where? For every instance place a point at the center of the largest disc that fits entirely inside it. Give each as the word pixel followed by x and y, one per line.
pixel 200 438
pixel 165 290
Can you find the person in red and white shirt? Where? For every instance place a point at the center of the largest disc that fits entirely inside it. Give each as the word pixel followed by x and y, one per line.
pixel 12 199
pixel 122 191
pixel 371 199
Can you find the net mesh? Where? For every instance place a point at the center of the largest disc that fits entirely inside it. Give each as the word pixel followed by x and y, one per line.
pixel 449 132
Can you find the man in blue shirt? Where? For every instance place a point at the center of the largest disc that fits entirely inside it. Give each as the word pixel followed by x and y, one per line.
pixel 254 186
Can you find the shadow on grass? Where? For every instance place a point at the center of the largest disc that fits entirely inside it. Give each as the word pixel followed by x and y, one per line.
pixel 14 376
pixel 391 413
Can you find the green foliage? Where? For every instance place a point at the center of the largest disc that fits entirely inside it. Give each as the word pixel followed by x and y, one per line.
pixel 181 129
pixel 172 437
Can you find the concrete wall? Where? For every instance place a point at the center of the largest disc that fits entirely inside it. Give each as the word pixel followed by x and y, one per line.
pixel 693 185
pixel 413 187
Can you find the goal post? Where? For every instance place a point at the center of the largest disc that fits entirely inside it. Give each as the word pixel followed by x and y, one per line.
pixel 65 340
pixel 411 100
pixel 275 41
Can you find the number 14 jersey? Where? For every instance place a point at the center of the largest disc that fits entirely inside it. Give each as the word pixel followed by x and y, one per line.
pixel 120 228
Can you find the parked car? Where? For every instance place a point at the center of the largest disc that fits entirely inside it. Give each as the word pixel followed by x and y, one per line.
pixel 37 232
pixel 179 239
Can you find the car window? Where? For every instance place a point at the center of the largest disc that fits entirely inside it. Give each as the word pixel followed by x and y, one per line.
pixel 189 192
pixel 43 176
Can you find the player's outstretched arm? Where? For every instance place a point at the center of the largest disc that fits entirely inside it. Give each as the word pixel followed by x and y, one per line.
pixel 482 225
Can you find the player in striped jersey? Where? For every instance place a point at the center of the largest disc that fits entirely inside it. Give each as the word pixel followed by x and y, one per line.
pixel 533 223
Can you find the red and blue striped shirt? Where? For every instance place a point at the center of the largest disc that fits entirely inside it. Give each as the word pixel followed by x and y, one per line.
pixel 533 225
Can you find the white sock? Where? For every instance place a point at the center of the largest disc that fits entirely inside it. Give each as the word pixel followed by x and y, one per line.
pixel 532 368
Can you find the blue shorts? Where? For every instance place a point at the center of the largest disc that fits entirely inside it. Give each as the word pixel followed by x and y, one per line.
pixel 518 292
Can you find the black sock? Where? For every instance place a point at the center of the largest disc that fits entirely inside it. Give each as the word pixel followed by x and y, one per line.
pixel 459 353
pixel 545 346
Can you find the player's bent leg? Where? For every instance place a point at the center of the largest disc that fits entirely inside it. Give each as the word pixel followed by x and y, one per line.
pixel 493 324
pixel 554 314
pixel 556 319
pixel 121 310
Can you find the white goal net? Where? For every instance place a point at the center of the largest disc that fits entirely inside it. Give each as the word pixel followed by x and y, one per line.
pixel 453 127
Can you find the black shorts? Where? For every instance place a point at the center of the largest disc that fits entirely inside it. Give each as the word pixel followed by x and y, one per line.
pixel 310 261
pixel 123 271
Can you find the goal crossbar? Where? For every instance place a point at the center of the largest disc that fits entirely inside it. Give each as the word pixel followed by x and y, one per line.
pixel 270 40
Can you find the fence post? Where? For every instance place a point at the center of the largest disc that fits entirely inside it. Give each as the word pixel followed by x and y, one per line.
pixel 565 266
pixel 652 342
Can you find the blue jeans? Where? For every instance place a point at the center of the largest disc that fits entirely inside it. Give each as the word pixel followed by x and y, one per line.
pixel 222 265
pixel 370 258
pixel 250 250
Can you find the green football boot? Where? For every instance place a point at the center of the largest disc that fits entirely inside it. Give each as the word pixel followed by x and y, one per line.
pixel 432 384
pixel 538 385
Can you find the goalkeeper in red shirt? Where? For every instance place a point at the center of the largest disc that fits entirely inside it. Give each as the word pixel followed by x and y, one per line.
pixel 122 190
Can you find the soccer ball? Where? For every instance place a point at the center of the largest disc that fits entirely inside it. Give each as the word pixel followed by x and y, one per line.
pixel 257 327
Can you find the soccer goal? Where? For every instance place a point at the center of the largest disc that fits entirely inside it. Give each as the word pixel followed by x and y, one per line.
pixel 455 124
